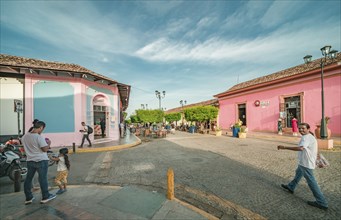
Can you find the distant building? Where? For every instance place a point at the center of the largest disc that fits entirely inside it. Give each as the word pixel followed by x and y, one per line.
pixel 294 92
pixel 62 95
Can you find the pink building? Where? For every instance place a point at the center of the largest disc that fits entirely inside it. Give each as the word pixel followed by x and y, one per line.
pixel 294 92
pixel 60 94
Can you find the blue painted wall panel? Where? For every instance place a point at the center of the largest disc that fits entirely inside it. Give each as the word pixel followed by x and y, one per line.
pixel 54 104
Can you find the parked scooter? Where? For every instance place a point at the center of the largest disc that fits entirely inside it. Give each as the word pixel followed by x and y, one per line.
pixel 20 151
pixel 10 162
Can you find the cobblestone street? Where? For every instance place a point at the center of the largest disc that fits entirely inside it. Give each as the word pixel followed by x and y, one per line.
pixel 247 172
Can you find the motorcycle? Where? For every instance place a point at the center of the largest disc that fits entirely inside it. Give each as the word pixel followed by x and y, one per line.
pixel 20 151
pixel 10 162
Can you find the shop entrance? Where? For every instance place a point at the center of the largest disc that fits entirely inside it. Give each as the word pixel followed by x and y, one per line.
pixel 242 113
pixel 292 109
pixel 100 117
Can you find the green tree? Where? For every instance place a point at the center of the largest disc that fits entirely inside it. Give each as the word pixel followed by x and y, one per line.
pixel 201 113
pixel 150 116
pixel 134 119
pixel 125 115
pixel 171 117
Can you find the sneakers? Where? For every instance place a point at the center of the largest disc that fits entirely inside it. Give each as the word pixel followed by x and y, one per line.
pixel 315 204
pixel 60 191
pixel 287 188
pixel 27 202
pixel 51 196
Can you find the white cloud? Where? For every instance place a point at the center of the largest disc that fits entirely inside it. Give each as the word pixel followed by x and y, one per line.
pixel 261 49
pixel 247 15
pixel 52 22
pixel 279 12
pixel 160 7
pixel 176 26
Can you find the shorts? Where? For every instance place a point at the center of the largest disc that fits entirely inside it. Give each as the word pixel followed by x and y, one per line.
pixel 61 177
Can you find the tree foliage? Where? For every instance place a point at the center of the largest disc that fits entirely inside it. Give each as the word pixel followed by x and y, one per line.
pixel 134 119
pixel 173 117
pixel 150 116
pixel 125 115
pixel 128 121
pixel 201 113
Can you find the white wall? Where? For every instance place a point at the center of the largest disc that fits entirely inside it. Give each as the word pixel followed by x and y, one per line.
pixel 10 89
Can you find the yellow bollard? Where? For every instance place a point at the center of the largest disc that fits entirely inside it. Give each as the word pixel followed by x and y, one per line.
pixel 170 188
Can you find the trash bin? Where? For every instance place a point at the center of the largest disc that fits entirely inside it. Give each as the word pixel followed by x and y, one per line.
pixel 192 129
pixel 235 131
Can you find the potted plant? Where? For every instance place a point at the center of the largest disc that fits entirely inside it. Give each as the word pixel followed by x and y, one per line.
pixel 236 128
pixel 218 131
pixel 242 133
pixel 318 128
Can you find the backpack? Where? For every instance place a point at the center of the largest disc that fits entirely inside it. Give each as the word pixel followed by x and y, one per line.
pixel 90 130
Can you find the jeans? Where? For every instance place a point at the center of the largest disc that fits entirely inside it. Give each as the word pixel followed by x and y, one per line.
pixel 103 131
pixel 41 167
pixel 87 137
pixel 309 176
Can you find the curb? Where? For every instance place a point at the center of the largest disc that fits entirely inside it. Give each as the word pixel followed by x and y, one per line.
pixel 218 206
pixel 109 148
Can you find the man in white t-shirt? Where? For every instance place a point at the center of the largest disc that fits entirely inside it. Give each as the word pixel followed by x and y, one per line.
pixel 307 154
pixel 37 161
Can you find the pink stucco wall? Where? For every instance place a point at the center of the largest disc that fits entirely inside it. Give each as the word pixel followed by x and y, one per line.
pixel 265 118
pixel 80 85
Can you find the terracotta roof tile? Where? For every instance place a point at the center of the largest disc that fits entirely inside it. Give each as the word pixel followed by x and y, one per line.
pixel 203 103
pixel 15 61
pixel 315 64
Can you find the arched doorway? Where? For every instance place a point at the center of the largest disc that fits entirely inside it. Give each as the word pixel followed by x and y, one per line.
pixel 101 116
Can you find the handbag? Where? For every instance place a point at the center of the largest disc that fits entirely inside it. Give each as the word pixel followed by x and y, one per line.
pixel 321 161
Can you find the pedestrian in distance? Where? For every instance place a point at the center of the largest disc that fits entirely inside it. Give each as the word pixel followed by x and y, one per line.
pixel 63 167
pixel 85 132
pixel 307 155
pixel 122 129
pixel 102 123
pixel 37 161
pixel 294 125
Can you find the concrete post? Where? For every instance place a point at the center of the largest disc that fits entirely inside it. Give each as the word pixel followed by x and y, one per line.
pixel 17 180
pixel 170 181
pixel 74 147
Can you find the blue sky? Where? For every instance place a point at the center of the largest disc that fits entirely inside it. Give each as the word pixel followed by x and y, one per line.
pixel 191 49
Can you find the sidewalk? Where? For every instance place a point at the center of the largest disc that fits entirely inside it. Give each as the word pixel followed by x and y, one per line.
pixel 99 202
pixel 100 145
pixel 286 138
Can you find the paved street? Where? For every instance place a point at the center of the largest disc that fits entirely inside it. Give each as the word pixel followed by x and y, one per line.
pixel 210 171
pixel 247 172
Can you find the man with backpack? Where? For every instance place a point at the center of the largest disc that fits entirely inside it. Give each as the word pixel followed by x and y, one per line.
pixel 87 130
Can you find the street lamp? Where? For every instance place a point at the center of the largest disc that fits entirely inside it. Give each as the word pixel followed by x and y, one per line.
pixel 326 52
pixel 182 103
pixel 160 96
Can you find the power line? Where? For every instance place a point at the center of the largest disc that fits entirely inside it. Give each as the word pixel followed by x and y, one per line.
pixel 142 89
